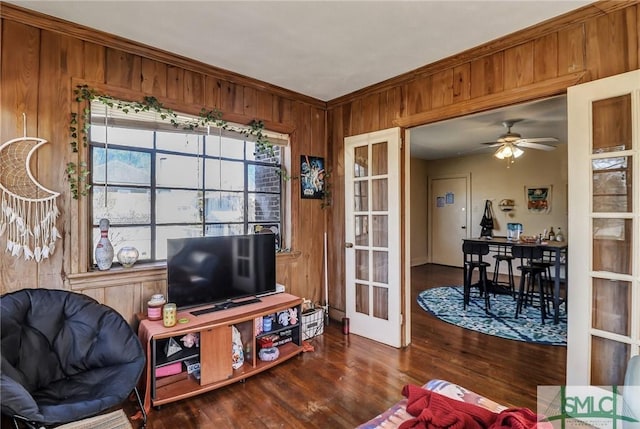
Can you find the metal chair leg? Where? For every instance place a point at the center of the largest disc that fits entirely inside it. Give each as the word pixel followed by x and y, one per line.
pixel 496 271
pixel 29 424
pixel 512 285
pixel 484 283
pixel 543 298
pixel 467 286
pixel 141 405
pixel 521 295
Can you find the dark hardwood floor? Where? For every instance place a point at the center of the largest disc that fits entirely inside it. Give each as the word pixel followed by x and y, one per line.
pixel 348 379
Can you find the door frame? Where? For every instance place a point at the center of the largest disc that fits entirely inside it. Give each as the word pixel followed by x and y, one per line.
pixel 405 233
pixel 493 101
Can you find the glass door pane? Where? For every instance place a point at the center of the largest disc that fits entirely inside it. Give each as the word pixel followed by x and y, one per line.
pixel 612 184
pixel 361 162
pixel 612 251
pixel 611 306
pixel 380 230
pixel 608 361
pixel 379 164
pixel 379 195
pixel 612 124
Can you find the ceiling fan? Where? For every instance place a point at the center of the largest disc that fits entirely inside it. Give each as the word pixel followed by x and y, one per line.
pixel 510 144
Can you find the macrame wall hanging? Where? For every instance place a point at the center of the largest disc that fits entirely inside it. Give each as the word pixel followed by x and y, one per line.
pixel 29 209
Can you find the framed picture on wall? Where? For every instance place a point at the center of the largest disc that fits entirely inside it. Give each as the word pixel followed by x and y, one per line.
pixel 538 198
pixel 312 174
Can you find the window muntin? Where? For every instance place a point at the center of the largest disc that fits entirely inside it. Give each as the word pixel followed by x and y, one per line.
pixel 156 184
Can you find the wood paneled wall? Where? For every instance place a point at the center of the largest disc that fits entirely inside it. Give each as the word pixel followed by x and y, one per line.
pixel 596 41
pixel 43 59
pixel 42 56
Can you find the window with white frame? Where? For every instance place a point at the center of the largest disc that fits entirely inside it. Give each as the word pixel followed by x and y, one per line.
pixel 154 182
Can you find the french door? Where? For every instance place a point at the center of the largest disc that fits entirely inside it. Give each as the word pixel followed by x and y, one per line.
pixel 604 239
pixel 373 235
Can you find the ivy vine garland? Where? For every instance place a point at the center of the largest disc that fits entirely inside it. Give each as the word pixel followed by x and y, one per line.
pixel 77 173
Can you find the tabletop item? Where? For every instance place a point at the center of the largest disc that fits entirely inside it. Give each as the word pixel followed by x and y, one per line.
pixel 154 307
pixel 283 318
pixel 513 231
pixel 104 249
pixel 237 352
pixel 269 353
pixel 169 312
pixel 266 323
pixel 293 316
pixel 127 256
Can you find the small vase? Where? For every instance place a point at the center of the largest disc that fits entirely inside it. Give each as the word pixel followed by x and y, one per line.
pixel 127 256
pixel 104 249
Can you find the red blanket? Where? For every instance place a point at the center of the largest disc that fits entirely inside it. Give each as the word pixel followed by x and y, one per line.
pixel 435 411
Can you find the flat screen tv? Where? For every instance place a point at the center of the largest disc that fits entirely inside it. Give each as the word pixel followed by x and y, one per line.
pixel 213 270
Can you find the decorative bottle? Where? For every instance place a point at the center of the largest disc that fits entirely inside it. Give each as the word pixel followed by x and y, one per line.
pixel 552 235
pixel 559 235
pixel 104 249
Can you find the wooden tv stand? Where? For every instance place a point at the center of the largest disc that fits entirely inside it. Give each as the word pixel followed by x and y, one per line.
pixel 215 347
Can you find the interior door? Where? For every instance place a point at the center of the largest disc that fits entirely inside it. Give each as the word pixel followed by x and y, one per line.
pixel 604 235
pixel 373 235
pixel 448 208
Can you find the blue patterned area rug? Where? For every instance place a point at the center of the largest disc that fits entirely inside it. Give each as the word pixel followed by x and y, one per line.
pixel 446 303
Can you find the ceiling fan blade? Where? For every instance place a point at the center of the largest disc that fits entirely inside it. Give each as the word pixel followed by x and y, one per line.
pixel 530 145
pixel 492 144
pixel 539 140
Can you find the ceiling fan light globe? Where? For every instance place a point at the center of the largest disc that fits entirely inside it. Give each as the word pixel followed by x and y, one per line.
pixel 503 152
pixel 507 151
pixel 517 152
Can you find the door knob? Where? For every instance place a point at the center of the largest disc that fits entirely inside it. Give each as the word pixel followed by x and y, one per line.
pixel 463 227
pixel 348 245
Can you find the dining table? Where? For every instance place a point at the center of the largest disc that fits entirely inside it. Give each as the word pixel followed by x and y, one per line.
pixel 557 250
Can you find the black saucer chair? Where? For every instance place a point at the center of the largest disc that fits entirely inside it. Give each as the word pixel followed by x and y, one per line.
pixel 65 357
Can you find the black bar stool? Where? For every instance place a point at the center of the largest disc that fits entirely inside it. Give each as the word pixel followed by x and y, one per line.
pixel 546 261
pixel 532 274
pixel 504 256
pixel 473 253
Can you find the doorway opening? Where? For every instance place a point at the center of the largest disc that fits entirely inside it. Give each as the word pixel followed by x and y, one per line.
pixel 465 147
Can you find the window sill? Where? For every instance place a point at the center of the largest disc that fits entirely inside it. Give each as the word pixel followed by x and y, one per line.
pixel 143 272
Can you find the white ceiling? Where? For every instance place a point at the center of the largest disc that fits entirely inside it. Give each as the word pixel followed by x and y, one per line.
pixel 326 49
pixel 464 136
